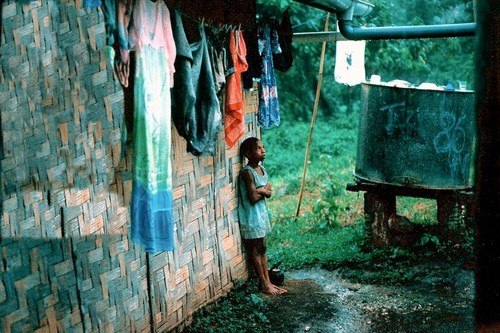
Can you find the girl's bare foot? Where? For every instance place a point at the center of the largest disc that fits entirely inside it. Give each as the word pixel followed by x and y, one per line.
pixel 279 288
pixel 284 291
pixel 273 290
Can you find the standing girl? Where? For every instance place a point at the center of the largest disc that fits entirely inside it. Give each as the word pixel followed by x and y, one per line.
pixel 254 221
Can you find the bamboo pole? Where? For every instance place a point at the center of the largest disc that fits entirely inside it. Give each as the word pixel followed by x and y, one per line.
pixel 313 119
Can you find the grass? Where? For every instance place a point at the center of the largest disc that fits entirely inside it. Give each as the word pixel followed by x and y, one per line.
pixel 329 226
pixel 299 243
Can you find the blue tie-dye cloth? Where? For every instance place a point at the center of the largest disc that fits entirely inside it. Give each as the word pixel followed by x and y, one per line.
pixel 151 42
pixel 91 3
pixel 269 109
pixel 152 215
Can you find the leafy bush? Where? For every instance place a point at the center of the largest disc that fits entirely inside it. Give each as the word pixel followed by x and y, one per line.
pixel 242 310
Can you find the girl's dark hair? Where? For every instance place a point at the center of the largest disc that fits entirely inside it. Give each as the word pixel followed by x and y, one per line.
pixel 247 145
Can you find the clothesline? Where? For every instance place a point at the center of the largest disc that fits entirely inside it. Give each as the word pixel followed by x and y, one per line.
pixel 210 24
pixel 207 23
pixel 232 27
pixel 311 20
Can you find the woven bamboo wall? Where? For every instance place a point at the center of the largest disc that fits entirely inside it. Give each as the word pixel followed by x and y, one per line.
pixel 67 262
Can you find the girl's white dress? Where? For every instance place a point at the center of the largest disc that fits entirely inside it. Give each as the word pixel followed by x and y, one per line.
pixel 254 220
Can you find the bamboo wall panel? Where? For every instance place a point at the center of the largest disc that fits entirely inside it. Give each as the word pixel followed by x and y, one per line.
pixel 67 261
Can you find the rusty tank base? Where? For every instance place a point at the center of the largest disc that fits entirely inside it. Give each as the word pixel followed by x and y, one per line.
pixel 384 227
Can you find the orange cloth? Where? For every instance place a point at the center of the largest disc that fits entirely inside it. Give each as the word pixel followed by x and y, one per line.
pixel 234 118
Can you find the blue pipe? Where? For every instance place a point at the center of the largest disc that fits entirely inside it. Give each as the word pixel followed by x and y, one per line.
pixel 399 32
pixel 406 32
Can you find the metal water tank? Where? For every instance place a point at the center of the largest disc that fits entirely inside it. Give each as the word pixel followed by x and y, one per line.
pixel 416 137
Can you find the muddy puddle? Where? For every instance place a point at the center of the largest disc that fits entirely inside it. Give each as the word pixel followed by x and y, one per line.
pixel 441 301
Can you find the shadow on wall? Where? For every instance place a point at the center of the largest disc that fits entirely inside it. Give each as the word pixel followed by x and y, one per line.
pixel 83 284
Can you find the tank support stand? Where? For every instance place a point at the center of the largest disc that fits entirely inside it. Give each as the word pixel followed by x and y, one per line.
pixel 384 227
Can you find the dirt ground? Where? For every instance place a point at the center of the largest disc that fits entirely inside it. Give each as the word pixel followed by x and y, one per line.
pixel 441 301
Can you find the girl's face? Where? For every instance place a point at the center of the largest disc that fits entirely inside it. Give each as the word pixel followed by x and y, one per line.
pixel 257 153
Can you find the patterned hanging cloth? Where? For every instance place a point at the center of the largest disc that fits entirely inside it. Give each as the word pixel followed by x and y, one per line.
pixel 234 118
pixel 150 36
pixel 268 115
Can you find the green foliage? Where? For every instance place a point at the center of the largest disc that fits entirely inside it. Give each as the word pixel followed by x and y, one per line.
pixel 455 241
pixel 428 238
pixel 286 146
pixel 420 210
pixel 328 208
pixel 242 310
pixel 437 60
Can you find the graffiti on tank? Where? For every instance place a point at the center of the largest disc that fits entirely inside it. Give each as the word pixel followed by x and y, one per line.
pixel 402 122
pixel 451 140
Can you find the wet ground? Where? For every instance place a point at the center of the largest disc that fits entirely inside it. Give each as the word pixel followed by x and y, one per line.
pixel 440 301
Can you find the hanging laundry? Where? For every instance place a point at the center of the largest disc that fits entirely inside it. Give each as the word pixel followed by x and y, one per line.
pixel 150 38
pixel 109 10
pixel 268 114
pixel 122 44
pixel 195 105
pixel 234 118
pixel 117 50
pixel 254 60
pixel 283 61
pixel 218 58
pixel 350 62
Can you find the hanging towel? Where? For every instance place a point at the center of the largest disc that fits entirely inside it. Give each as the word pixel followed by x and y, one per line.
pixel 234 119
pixel 350 62
pixel 195 105
pixel 283 61
pixel 253 59
pixel 218 58
pixel 150 37
pixel 268 114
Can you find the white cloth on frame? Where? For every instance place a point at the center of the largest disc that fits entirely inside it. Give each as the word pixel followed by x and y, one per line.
pixel 350 62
